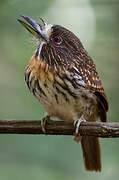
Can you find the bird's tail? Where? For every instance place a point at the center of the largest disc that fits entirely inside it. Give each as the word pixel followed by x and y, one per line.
pixel 91 153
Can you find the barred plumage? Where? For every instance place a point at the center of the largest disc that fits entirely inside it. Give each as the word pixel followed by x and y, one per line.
pixel 63 78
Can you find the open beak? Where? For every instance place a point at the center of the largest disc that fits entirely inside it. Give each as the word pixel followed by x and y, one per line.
pixel 35 29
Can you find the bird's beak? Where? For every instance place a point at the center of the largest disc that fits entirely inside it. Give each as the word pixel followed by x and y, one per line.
pixel 35 29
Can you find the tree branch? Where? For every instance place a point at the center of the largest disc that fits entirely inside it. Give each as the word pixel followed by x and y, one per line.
pixel 97 129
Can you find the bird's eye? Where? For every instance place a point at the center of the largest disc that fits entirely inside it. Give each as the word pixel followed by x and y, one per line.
pixel 57 40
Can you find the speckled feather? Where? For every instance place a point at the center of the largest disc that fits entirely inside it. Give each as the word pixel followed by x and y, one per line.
pixel 63 78
pixel 70 67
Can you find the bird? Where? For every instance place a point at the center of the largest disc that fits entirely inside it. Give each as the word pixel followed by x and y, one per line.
pixel 63 78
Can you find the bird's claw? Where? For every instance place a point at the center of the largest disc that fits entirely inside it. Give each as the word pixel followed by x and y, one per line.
pixel 43 123
pixel 77 124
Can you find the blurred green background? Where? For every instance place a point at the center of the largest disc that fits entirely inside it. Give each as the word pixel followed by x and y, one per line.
pixel 36 157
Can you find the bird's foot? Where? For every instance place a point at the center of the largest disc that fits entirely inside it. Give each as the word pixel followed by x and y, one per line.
pixel 43 123
pixel 77 124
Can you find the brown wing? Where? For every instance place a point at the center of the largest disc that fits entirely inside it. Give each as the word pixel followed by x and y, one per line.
pixel 90 76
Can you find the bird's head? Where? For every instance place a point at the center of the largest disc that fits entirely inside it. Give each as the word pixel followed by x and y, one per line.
pixel 57 46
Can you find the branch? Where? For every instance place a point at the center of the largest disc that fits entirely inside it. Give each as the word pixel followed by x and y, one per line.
pixel 98 129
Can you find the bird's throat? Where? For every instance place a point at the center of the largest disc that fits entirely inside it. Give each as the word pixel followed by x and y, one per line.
pixel 38 50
